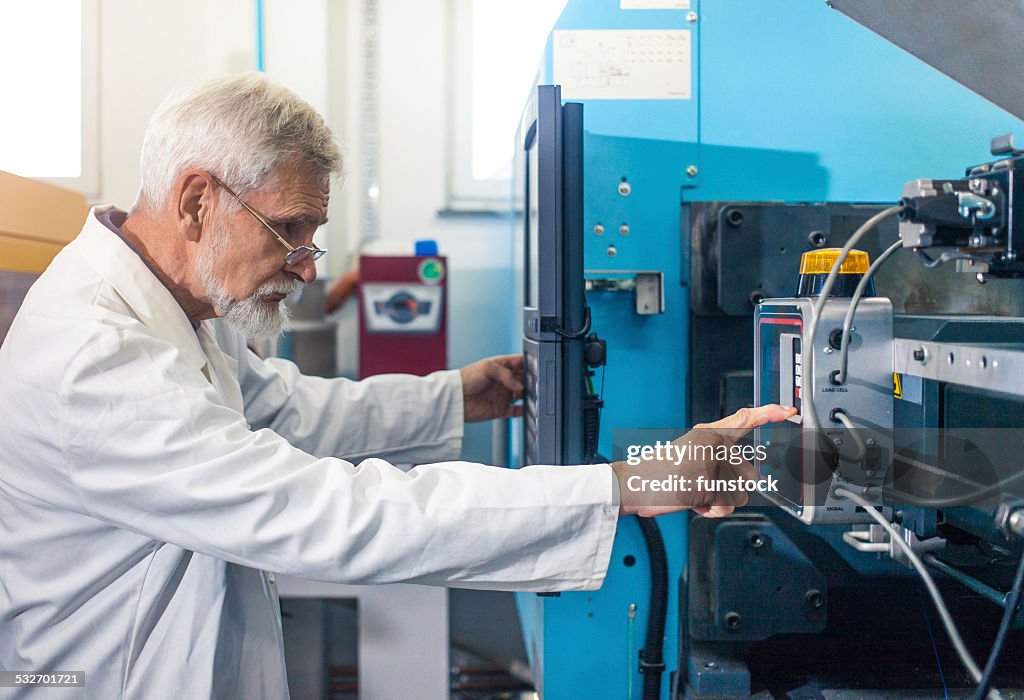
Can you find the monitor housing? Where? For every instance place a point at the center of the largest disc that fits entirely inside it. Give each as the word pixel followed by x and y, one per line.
pixel 554 307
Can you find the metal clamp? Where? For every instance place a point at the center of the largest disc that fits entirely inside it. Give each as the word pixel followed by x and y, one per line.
pixel 971 204
pixel 647 667
pixel 647 285
pixel 876 539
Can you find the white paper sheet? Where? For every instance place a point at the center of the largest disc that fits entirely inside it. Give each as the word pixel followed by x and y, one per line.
pixel 623 64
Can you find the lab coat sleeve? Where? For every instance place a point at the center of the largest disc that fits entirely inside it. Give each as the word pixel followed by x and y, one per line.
pixel 149 448
pixel 399 417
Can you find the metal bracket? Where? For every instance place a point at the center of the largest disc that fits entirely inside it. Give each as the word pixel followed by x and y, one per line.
pixel 648 286
pixel 876 539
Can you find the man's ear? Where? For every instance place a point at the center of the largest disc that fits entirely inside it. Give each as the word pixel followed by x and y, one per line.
pixel 191 201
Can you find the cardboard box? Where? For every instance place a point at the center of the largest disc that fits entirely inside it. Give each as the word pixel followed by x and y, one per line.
pixel 36 221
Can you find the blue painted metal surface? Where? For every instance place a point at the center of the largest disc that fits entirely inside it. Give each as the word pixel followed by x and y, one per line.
pixel 800 78
pixel 792 102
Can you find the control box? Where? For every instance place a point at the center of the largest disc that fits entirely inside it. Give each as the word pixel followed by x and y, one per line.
pixel 809 463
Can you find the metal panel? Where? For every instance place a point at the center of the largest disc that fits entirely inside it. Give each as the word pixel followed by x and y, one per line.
pixel 993 366
pixel 743 251
pixel 975 42
pixel 749 581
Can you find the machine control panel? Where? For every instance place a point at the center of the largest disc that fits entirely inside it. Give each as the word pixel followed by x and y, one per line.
pixel 809 464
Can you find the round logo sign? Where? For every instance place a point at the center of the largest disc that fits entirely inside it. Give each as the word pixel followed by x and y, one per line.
pixel 431 271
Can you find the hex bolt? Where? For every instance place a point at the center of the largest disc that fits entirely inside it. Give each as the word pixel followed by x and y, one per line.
pixel 598 230
pixel 624 188
pixel 624 230
pixel 733 620
pixel 919 354
pixel 691 171
pixel 612 252
pixel 1015 523
pixel 814 598
pixel 1009 517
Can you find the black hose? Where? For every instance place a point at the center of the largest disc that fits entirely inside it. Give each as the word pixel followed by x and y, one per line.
pixel 1012 601
pixel 652 664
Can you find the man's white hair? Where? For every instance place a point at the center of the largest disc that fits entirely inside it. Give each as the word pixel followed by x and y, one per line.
pixel 240 128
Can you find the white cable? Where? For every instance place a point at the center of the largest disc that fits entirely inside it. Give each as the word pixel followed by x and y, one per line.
pixel 852 309
pixel 859 541
pixel 809 418
pixel 862 449
pixel 947 619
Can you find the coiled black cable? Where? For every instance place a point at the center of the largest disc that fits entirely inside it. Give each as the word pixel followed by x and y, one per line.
pixel 573 335
pixel 652 665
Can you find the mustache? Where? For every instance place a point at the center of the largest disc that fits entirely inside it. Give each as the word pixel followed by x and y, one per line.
pixel 289 287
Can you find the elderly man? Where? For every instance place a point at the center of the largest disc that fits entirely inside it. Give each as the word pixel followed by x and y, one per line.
pixel 154 470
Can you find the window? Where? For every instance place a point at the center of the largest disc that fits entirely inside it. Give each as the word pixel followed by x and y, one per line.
pixel 498 47
pixel 48 126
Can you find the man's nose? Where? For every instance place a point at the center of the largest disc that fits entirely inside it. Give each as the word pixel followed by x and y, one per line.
pixel 305 270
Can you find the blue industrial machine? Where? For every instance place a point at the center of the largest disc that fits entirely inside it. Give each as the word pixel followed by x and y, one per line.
pixel 720 141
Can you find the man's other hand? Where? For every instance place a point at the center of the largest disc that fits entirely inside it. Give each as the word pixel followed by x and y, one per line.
pixel 490 386
pixel 693 472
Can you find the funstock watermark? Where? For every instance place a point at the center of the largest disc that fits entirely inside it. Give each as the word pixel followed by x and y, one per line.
pixel 924 467
pixel 700 468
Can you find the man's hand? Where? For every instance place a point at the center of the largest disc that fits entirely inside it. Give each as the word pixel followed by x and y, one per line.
pixel 490 386
pixel 697 471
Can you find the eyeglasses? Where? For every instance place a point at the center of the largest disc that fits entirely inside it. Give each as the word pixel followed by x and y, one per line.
pixel 295 255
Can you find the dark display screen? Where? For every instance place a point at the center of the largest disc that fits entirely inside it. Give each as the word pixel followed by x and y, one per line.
pixel 781 378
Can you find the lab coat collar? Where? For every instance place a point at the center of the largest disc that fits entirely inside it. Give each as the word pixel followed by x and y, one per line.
pixel 146 296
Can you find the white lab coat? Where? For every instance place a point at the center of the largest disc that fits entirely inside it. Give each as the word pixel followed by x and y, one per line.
pixel 150 475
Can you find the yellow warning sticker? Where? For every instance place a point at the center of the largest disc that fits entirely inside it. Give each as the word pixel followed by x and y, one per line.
pixel 897 386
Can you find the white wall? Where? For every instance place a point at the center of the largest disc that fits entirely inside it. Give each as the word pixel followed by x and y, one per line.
pixel 414 41
pixel 414 83
pixel 315 46
pixel 146 50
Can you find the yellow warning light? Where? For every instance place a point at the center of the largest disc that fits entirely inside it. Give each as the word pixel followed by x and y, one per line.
pixel 819 262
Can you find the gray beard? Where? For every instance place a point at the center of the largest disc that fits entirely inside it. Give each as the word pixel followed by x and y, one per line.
pixel 251 316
